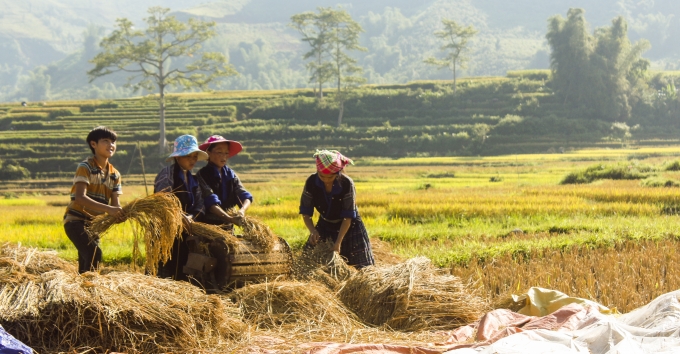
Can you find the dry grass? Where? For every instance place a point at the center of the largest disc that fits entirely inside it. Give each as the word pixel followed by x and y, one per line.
pixel 305 305
pixel 157 218
pixel 295 339
pixel 20 264
pixel 48 306
pixel 411 296
pixel 626 276
pixel 214 233
pixel 60 310
pixel 257 232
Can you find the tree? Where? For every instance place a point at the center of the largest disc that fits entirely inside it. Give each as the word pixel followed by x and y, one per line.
pixel 315 31
pixel 622 132
pixel 158 57
pixel 35 86
pixel 344 37
pixel 456 43
pixel 331 34
pixel 599 74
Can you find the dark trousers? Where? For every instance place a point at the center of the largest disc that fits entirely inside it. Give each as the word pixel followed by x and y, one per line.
pixel 89 253
pixel 355 246
pixel 219 250
pixel 174 268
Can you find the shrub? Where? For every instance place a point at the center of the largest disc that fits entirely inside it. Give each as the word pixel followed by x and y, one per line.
pixel 530 74
pixel 60 113
pixel 673 166
pixel 89 108
pixel 597 172
pixel 439 174
pixel 13 171
pixel 659 182
pixel 108 105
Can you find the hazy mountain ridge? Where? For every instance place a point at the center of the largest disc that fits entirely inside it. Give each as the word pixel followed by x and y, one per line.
pixel 267 53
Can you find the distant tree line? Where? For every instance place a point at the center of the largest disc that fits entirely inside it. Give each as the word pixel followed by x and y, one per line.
pixel 601 74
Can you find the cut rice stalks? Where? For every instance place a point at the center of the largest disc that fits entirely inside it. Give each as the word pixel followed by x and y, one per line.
pixel 257 232
pixel 214 233
pixel 412 296
pixel 61 311
pixel 157 218
pixel 279 303
pixel 323 265
pixel 19 264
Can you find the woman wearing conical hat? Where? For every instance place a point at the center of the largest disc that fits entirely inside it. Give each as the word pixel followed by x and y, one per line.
pixel 332 194
pixel 178 179
pixel 224 189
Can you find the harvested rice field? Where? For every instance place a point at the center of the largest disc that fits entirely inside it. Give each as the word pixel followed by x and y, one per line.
pixel 454 238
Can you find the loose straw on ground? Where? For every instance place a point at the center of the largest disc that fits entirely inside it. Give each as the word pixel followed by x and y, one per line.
pixel 411 296
pixel 158 219
pixel 61 311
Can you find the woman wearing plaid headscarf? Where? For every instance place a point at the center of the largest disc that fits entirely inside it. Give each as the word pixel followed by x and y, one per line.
pixel 332 194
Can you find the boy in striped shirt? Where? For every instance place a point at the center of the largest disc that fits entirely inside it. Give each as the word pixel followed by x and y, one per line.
pixel 96 187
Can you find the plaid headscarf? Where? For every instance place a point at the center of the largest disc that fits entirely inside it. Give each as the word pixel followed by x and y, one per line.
pixel 331 161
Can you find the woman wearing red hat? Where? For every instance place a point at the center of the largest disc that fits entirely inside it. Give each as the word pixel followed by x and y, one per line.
pixel 222 188
pixel 332 194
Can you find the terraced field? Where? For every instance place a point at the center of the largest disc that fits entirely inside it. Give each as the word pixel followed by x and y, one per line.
pixel 282 128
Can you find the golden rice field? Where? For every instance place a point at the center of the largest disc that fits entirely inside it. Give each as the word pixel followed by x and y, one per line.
pixel 504 222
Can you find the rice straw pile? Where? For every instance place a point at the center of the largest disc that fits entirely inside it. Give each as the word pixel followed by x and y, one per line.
pixel 61 311
pixel 322 265
pixel 214 233
pixel 411 296
pixel 158 218
pixel 259 233
pixel 19 264
pixel 271 305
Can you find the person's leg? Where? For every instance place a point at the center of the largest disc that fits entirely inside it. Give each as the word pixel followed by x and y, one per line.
pixel 182 252
pixel 89 253
pixel 220 251
pixel 356 246
pixel 167 269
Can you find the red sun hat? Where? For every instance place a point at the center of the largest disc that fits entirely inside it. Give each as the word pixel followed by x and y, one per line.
pixel 234 146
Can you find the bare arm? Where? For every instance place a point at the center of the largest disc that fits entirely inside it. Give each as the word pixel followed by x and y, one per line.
pixel 245 206
pixel 313 232
pixel 115 200
pixel 241 213
pixel 82 199
pixel 217 210
pixel 344 227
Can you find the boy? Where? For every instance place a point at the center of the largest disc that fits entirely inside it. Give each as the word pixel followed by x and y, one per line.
pixel 95 184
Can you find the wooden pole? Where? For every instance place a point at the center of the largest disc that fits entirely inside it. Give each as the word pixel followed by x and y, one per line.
pixel 132 159
pixel 141 160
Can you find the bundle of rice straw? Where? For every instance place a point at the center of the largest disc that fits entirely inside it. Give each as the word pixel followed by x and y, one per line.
pixel 270 305
pixel 158 218
pixel 19 264
pixel 257 232
pixel 323 265
pixel 214 233
pixel 411 296
pixel 62 311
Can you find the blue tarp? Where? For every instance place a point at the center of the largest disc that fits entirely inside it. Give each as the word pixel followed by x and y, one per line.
pixel 11 345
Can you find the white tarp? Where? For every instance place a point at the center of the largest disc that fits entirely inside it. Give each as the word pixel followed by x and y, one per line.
pixel 654 328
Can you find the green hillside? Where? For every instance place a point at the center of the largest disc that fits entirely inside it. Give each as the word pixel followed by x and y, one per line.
pixel 487 116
